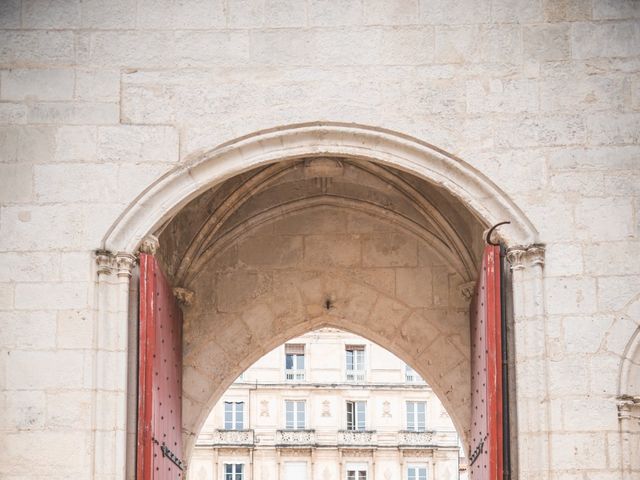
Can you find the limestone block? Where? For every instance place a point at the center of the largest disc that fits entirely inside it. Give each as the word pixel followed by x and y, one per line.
pixel 28 267
pixel 381 12
pixel 134 178
pixel 389 251
pixel 246 14
pixel 10 11
pixel 43 296
pixel 601 367
pixel 605 128
pixel 6 296
pixel 28 329
pixel 330 13
pixel 196 385
pixel 22 410
pixel 457 44
pixel 566 295
pixel 116 14
pixel 506 96
pixel 53 15
pixel 36 144
pixel 516 11
pixel 169 14
pixel 538 130
pixel 73 182
pixel 569 377
pixel 618 258
pixel 16 184
pixel 600 219
pixel 13 113
pixel 615 9
pixel 74 329
pixel 72 410
pixel 585 334
pixel 97 85
pixel 33 370
pixel 37 84
pixel 322 251
pixel 463 12
pixel 567 10
pixel 614 293
pixel 592 93
pixel 587 182
pixel 408 46
pixel 578 450
pixel 546 42
pixel 501 44
pixel 129 143
pixel 206 48
pixel 609 39
pixel 66 453
pixel 8 144
pixel 72 113
pixel 277 251
pixel 563 259
pixel 415 286
pixel 109 374
pixel 74 144
pixel 602 157
pixel 27 47
pixel 237 288
pixel 623 184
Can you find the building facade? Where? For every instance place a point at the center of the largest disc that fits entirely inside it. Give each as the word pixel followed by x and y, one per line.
pixel 328 405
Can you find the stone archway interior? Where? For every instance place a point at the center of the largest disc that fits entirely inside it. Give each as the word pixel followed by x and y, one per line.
pixel 296 245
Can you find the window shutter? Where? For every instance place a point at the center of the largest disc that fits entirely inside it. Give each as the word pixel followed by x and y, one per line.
pixel 294 348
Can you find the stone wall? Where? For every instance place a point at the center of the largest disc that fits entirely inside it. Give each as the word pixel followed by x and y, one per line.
pixel 99 99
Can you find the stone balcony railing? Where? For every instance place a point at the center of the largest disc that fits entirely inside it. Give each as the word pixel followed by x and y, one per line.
pixel 233 438
pixel 295 438
pixel 409 438
pixel 356 438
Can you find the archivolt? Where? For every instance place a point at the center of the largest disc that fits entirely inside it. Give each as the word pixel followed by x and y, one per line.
pixel 160 201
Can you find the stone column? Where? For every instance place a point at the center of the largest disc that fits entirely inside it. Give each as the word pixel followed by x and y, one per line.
pixel 110 374
pixel 531 362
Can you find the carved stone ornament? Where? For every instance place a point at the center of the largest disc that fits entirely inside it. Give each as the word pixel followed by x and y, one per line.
pixel 184 296
pixel 523 257
pixel 629 408
pixel 121 263
pixel 149 245
pixel 264 408
pixel 386 409
pixel 467 289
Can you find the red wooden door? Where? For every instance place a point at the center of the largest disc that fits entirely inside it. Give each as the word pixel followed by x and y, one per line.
pixel 486 453
pixel 159 445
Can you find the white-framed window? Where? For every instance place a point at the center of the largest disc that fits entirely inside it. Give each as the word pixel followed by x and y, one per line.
pixel 356 471
pixel 295 414
pixel 355 363
pixel 356 415
pixel 234 415
pixel 411 376
pixel 234 471
pixel 294 361
pixel 417 472
pixel 416 416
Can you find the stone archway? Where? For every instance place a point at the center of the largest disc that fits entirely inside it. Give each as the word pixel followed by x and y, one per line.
pixel 439 202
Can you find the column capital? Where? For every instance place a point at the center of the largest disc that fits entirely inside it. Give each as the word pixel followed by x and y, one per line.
pixel 521 257
pixel 149 245
pixel 628 407
pixel 184 296
pixel 124 264
pixel 104 261
pixel 467 289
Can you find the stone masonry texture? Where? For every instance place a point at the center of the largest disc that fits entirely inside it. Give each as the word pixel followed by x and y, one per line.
pixel 100 99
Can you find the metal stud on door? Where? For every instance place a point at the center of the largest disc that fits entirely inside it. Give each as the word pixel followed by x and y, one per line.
pixel 159 445
pixel 486 453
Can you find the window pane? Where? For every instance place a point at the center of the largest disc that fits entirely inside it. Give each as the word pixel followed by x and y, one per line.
pixel 289 409
pixel 300 362
pixel 350 425
pixel 239 415
pixel 362 475
pixel 349 359
pixel 300 415
pixel 288 362
pixel 361 415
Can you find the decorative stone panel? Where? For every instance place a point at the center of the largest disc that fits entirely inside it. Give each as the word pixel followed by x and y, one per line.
pixel 295 438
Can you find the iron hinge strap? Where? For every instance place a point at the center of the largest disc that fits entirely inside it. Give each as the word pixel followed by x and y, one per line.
pixel 166 452
pixel 477 451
